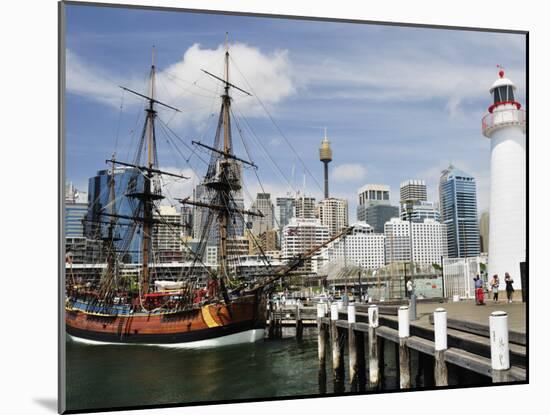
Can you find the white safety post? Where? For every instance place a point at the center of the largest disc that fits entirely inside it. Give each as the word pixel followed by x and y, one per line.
pixel 334 311
pixel 500 351
pixel 351 313
pixel 320 310
pixel 440 327
pixel 441 373
pixel 373 315
pixel 404 322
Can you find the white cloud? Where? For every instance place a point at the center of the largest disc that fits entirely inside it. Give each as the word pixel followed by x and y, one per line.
pixel 349 172
pixel 174 188
pixel 183 85
pixel 412 73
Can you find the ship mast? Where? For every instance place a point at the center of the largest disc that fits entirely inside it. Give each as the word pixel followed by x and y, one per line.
pixel 147 200
pixel 226 179
pixel 148 195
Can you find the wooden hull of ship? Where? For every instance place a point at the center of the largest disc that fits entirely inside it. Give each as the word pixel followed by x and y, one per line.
pixel 209 325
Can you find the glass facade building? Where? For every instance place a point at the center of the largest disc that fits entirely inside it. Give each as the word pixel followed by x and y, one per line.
pixel 458 204
pixel 127 180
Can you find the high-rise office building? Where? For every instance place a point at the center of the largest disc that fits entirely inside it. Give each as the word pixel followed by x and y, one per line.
pixel 305 207
pixel 420 210
pixel 166 238
pixel 300 236
pixel 286 210
pixel 333 213
pixel 377 216
pixel 76 210
pixel 429 241
pixel 374 206
pixel 264 205
pixel 127 180
pixel 362 247
pixel 186 221
pixel 205 223
pixel 413 190
pixel 374 194
pixel 458 204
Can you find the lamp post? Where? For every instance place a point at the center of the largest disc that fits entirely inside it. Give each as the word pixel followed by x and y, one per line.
pixel 409 209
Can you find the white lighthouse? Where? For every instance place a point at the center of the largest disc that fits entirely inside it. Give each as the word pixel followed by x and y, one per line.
pixel 504 125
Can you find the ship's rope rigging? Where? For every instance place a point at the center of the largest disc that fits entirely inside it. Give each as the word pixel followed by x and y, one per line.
pixel 174 141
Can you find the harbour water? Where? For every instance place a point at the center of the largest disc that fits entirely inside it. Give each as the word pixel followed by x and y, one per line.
pixel 101 376
pixel 112 375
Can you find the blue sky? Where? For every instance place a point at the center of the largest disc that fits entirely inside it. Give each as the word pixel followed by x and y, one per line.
pixel 398 102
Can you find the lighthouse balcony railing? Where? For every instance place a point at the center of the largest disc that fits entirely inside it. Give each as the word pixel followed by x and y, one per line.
pixel 512 116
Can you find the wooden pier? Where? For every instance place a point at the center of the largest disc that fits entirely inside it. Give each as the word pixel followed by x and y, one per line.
pixel 424 349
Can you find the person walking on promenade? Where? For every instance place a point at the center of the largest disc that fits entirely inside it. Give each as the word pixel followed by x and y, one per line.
pixel 509 286
pixel 478 284
pixel 494 287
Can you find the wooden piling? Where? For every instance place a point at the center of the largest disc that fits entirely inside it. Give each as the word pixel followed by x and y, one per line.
pixel 299 323
pixel 441 374
pixel 352 348
pixel 337 351
pixel 404 356
pixel 321 344
pixel 271 332
pixel 374 363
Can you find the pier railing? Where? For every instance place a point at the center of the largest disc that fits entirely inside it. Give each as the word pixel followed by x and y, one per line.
pixel 490 350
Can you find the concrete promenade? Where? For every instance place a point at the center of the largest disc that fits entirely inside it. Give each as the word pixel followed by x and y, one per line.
pixel 467 310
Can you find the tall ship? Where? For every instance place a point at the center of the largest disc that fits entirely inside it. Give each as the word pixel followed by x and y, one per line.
pixel 203 306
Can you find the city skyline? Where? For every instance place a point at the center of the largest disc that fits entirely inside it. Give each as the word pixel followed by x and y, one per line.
pixel 393 104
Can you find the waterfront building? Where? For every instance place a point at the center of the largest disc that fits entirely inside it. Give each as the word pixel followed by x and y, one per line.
pixel 264 205
pixel 377 216
pixel 421 210
pixel 333 213
pixel 166 237
pixel 266 242
pixel 301 235
pixel 305 207
pixel 505 125
pixel 186 222
pixel 429 241
pixel 127 181
pixel 286 209
pixel 203 216
pixel 362 247
pixel 374 206
pixel 413 190
pixel 458 204
pixel 76 210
